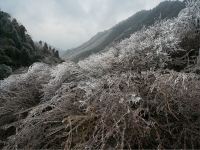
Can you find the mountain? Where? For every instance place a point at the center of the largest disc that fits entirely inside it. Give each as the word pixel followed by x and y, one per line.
pixel 124 29
pixel 17 48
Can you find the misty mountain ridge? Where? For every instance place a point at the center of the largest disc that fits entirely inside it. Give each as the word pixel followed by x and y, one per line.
pixel 165 10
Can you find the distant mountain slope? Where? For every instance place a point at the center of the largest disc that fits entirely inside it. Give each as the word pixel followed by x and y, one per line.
pixel 124 29
pixel 17 49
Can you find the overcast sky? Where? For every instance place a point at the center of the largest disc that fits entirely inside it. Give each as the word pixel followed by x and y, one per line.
pixel 68 23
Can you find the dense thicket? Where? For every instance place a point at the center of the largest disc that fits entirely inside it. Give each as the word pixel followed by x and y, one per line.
pixel 165 10
pixel 143 93
pixel 17 49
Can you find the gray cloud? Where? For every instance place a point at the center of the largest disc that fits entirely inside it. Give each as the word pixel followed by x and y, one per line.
pixel 68 23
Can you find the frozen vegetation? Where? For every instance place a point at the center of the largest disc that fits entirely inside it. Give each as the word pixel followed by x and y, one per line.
pixel 144 92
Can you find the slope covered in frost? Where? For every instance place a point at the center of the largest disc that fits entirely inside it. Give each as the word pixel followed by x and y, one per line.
pixel 143 92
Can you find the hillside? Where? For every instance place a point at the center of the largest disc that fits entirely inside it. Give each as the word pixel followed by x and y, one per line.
pixel 17 49
pixel 142 93
pixel 124 29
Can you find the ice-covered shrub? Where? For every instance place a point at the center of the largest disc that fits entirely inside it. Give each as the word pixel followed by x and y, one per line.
pixel 21 92
pixel 65 72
